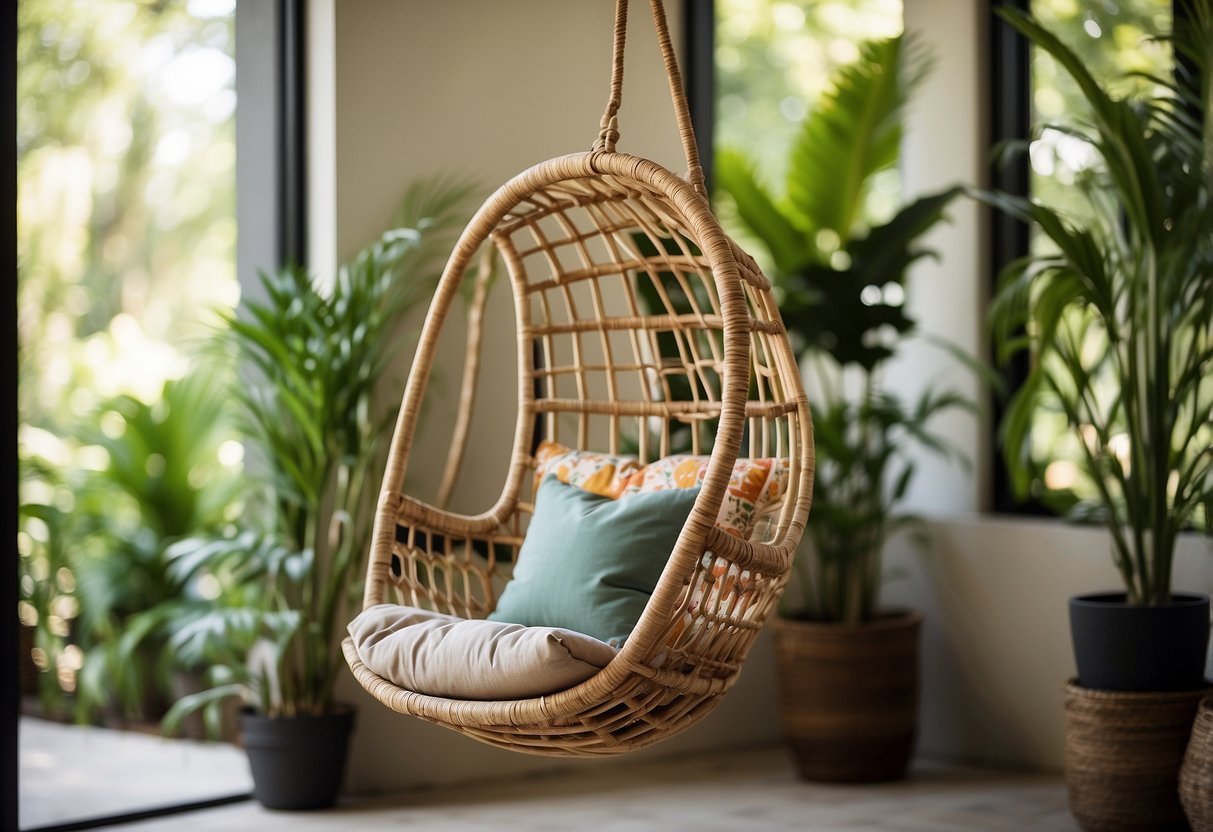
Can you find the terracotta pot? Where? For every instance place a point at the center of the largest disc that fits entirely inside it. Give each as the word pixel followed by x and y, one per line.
pixel 1123 754
pixel 849 696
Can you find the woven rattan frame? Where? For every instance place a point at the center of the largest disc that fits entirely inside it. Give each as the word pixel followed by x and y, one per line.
pixel 578 234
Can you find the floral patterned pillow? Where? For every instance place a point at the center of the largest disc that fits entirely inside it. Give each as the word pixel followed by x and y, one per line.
pixel 756 487
pixel 755 491
pixel 732 592
pixel 602 474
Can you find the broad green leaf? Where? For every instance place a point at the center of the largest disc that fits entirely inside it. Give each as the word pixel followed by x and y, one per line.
pixel 788 244
pixel 853 132
pixel 190 703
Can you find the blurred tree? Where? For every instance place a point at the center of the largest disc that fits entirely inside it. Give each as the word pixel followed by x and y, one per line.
pixel 126 249
pixel 774 59
pixel 1115 40
pixel 126 207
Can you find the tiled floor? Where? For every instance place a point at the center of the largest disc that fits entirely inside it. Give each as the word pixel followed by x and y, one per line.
pixel 737 792
pixel 72 772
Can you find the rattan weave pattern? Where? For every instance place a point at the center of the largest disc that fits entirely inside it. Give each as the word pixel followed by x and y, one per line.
pixel 1123 755
pixel 580 235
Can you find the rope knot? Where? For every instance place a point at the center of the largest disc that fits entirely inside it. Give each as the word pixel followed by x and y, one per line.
pixel 608 136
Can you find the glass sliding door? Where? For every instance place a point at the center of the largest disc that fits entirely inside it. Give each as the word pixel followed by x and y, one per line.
pixel 126 247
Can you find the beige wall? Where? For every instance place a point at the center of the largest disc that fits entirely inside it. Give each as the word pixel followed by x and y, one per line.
pixel 943 147
pixel 996 639
pixel 414 87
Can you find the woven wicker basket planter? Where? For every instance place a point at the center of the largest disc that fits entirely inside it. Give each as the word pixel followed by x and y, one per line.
pixel 1123 755
pixel 1196 776
pixel 849 696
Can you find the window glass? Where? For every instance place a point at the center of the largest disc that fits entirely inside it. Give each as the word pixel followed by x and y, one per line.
pixel 1116 41
pixel 126 245
pixel 773 60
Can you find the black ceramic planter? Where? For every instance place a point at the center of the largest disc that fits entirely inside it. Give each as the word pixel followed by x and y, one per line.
pixel 297 762
pixel 1123 647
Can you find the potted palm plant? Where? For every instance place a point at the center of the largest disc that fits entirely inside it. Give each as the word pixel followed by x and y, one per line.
pixel 1117 313
pixel 848 667
pixel 311 359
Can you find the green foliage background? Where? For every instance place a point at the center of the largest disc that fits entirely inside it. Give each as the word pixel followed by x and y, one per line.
pixel 126 246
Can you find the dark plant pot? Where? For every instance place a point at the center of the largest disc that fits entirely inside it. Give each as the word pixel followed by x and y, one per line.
pixel 1124 647
pixel 297 762
pixel 1124 751
pixel 849 696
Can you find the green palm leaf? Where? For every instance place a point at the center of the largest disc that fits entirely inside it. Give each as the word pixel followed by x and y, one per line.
pixel 827 305
pixel 854 131
pixel 1118 315
pixel 1121 127
pixel 840 298
pixel 789 245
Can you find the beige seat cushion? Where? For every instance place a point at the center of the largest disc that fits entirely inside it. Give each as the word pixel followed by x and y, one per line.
pixel 442 655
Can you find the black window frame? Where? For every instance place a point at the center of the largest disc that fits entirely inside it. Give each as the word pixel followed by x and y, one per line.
pixel 1009 97
pixel 288 204
pixel 699 47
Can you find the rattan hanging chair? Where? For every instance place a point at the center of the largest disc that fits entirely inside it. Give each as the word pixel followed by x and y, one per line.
pixel 579 236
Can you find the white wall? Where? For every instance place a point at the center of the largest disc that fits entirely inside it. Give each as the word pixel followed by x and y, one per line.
pixel 320 31
pixel 996 639
pixel 257 137
pixel 944 146
pixel 490 88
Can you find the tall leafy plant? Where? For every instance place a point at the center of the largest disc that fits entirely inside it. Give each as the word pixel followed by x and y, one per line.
pixel 1118 312
pixel 842 286
pixel 311 358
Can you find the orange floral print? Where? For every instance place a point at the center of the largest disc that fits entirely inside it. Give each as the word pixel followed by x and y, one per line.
pixel 749 476
pixel 754 489
pixel 600 481
pixel 687 474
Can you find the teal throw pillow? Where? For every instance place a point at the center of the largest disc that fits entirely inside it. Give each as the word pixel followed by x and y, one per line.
pixel 590 563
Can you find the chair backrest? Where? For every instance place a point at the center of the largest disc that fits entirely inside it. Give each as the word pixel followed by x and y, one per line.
pixel 641 328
